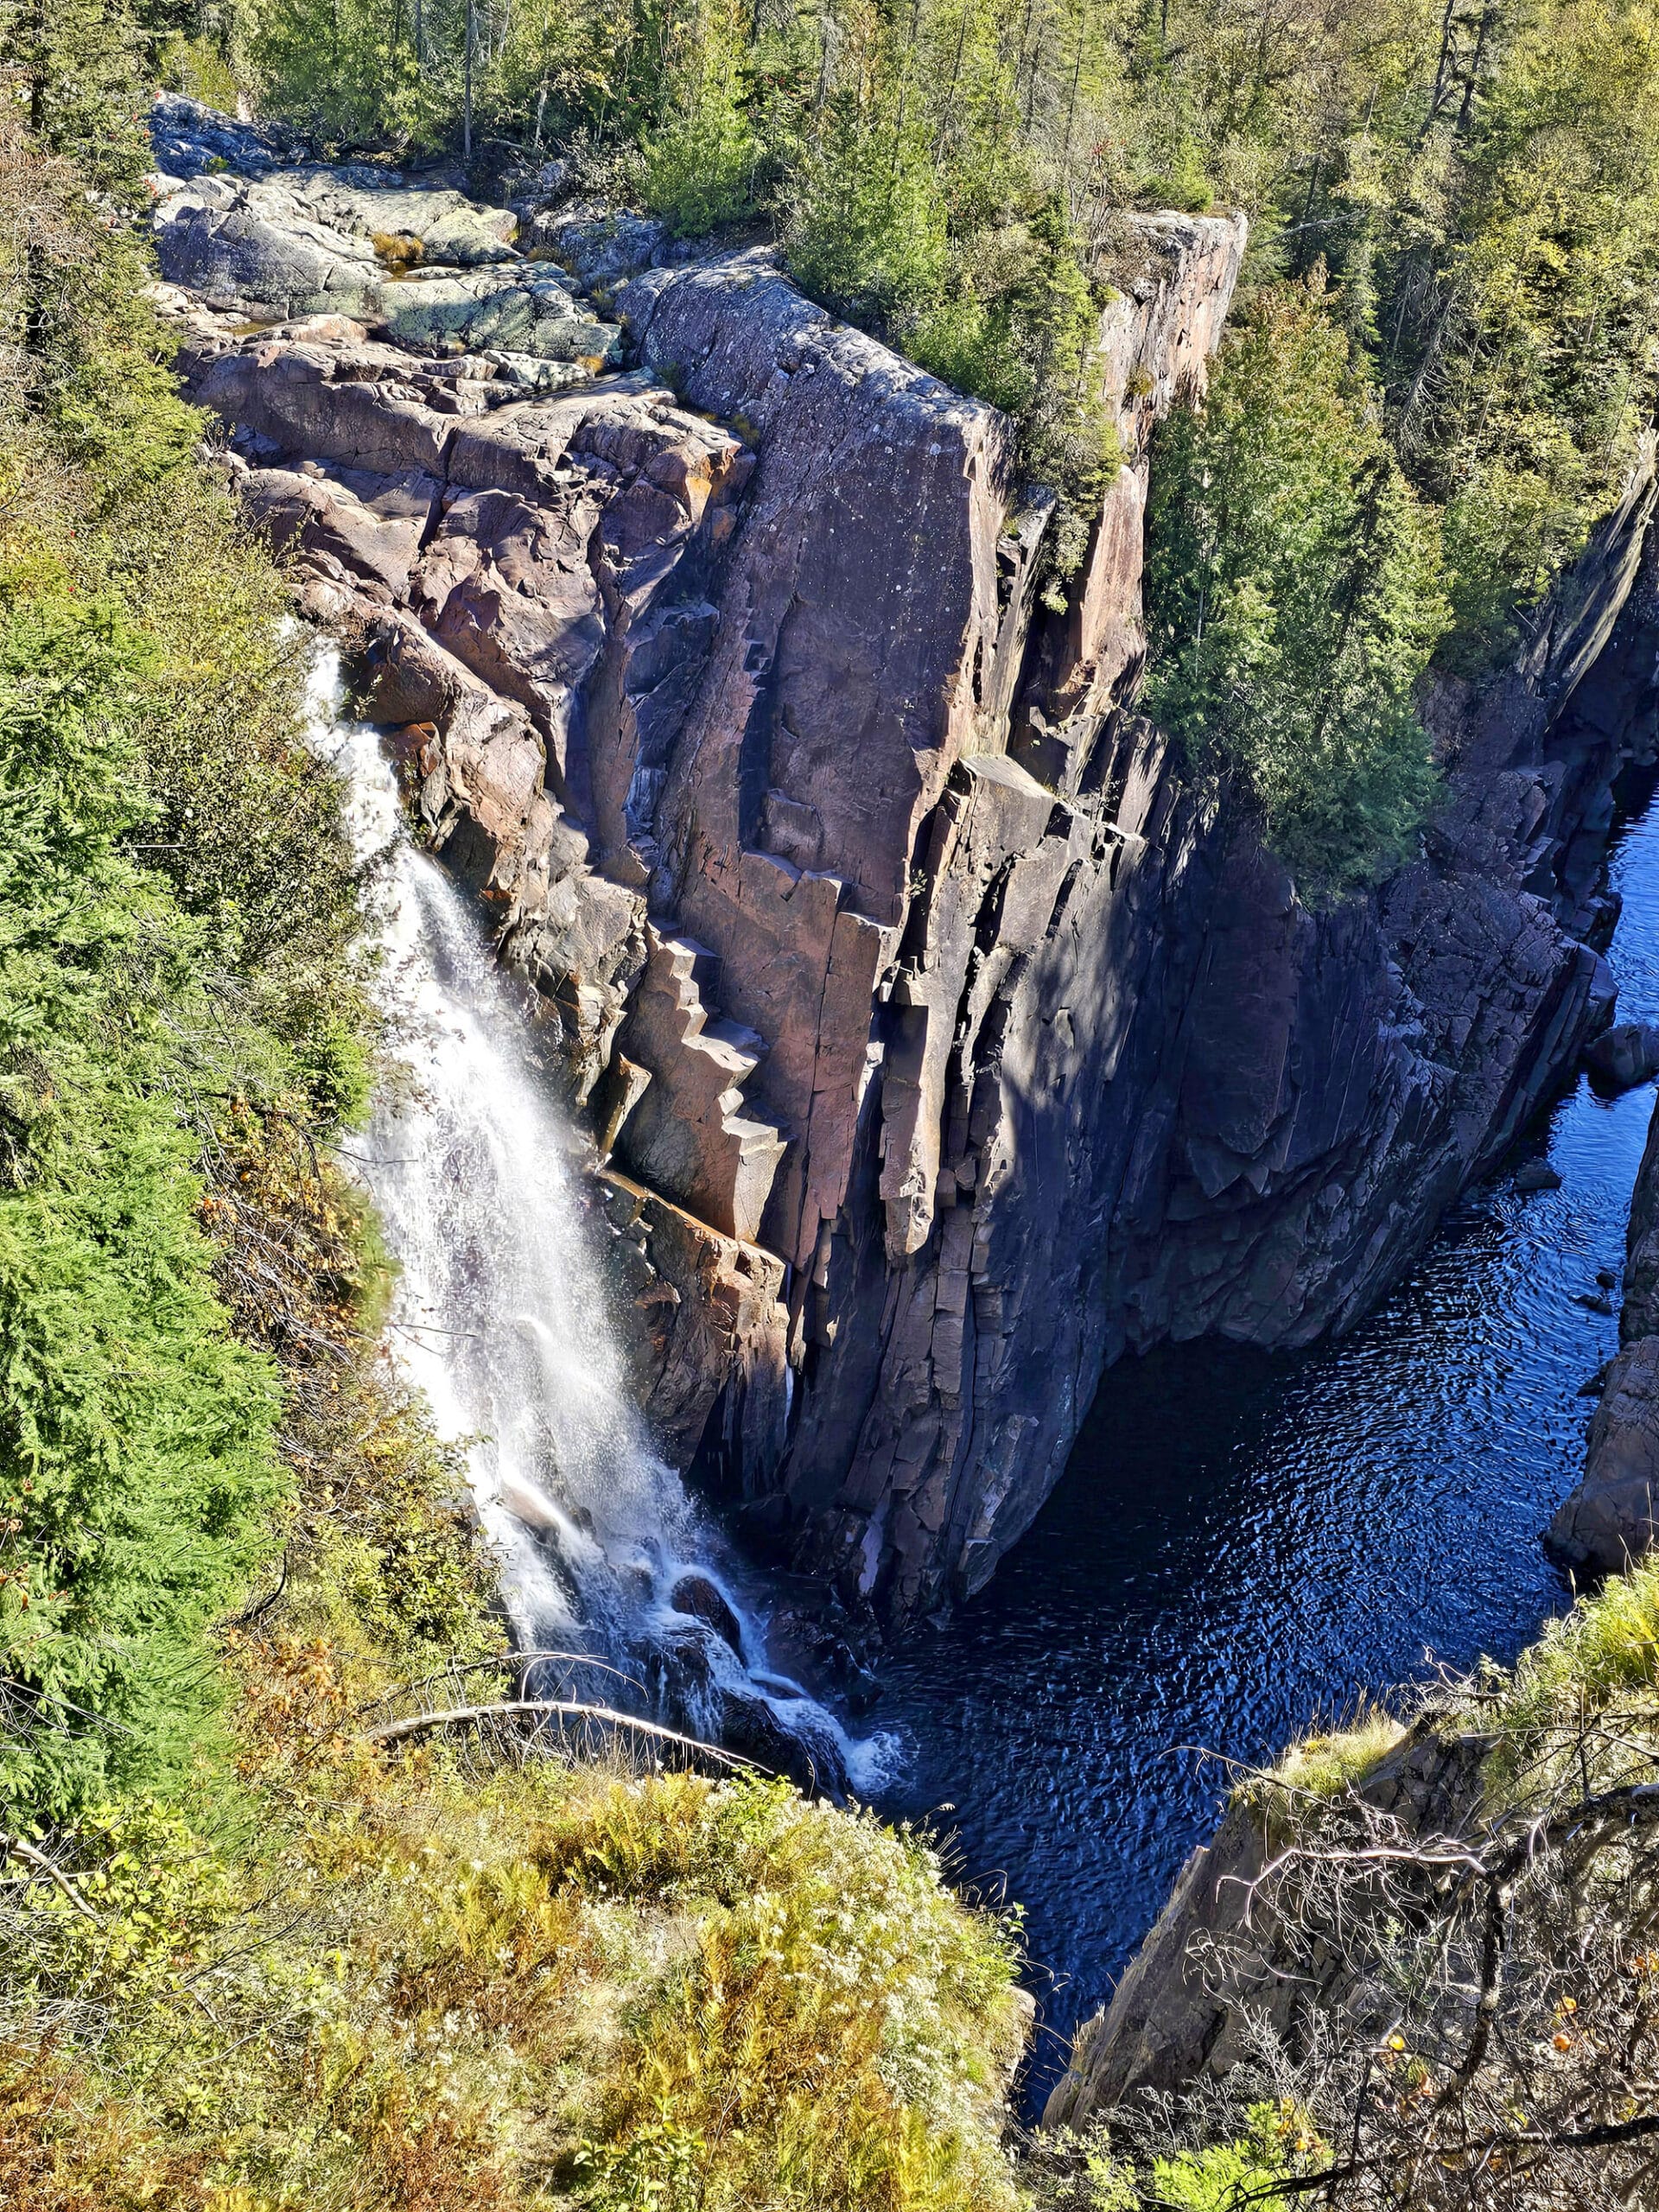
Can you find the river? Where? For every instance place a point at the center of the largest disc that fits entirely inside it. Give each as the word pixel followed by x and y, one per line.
pixel 1240 1543
pixel 1243 1543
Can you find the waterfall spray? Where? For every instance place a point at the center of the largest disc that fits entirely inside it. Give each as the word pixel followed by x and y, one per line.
pixel 502 1319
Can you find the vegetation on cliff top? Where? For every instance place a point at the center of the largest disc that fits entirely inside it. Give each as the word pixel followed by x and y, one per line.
pixel 1294 590
pixel 1474 188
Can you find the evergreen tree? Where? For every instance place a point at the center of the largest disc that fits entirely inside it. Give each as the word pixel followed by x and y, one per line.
pixel 1293 597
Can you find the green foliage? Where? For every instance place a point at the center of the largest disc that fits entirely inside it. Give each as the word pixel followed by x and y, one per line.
pixel 550 1980
pixel 77 67
pixel 1481 183
pixel 1220 2178
pixel 1293 597
pixel 866 225
pixel 1599 1659
pixel 698 167
pixel 135 1437
pixel 147 714
pixel 1092 2172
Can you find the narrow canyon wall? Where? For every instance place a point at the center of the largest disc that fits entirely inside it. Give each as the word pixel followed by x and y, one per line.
pixel 1172 2017
pixel 944 1039
pixel 1612 1516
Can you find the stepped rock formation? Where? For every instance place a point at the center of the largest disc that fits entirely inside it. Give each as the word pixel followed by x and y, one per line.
pixel 945 1041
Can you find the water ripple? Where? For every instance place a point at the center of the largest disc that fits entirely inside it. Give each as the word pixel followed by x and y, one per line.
pixel 1242 1543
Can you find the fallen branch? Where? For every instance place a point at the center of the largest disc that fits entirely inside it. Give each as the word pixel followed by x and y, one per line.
pixel 505 1661
pixel 39 1860
pixel 391 1731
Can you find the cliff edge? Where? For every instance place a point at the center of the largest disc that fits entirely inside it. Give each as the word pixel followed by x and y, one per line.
pixel 945 1038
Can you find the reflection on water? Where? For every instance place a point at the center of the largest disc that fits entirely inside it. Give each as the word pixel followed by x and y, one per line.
pixel 1240 1543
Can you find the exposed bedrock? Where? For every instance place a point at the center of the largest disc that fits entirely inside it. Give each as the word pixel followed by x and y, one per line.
pixel 1173 2019
pixel 944 1038
pixel 1610 1519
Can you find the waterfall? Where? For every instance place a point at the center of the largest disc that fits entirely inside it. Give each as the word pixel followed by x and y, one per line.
pixel 501 1317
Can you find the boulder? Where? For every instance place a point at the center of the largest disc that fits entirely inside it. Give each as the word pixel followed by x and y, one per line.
pixel 429 270
pixel 189 138
pixel 1536 1175
pixel 1622 1057
pixel 602 247
pixel 235 254
pixel 701 1596
pixel 430 311
pixel 371 525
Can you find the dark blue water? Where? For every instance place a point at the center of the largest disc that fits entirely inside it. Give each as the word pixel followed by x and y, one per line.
pixel 1243 1543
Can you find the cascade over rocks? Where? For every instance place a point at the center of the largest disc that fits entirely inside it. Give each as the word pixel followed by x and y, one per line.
pixel 944 1037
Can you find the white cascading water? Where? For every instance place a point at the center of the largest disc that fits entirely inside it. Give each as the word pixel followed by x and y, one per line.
pixel 501 1317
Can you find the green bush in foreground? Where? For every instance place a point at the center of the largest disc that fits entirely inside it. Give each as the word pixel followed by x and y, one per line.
pixel 553 1984
pixel 135 1438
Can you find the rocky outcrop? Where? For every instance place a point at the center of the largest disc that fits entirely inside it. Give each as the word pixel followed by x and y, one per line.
pixel 1624 1055
pixel 880 939
pixel 421 265
pixel 1172 2017
pixel 1610 1519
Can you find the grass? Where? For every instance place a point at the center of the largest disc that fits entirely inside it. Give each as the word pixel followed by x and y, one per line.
pixel 553 1984
pixel 1578 1707
pixel 1593 1668
pixel 1324 1764
pixel 1606 1646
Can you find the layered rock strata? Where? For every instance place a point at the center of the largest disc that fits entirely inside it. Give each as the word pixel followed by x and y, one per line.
pixel 942 1032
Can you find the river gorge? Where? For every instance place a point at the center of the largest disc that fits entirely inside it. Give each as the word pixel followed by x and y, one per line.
pixel 1093 1274
pixel 1243 1543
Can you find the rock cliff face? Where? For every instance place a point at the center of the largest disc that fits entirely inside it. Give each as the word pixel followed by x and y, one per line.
pixel 1610 1518
pixel 944 1039
pixel 1168 2022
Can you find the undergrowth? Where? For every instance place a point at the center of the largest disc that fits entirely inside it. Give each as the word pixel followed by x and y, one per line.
pixel 539 1984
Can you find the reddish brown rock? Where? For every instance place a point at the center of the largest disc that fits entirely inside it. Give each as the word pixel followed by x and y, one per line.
pixel 710 1331
pixel 962 1040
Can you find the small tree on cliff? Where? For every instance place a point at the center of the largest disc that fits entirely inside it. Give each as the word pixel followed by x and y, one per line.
pixel 1294 597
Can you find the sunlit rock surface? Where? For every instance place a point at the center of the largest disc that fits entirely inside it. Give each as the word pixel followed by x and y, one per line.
pixel 966 1038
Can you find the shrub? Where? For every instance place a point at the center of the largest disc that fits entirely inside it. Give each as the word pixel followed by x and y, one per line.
pixel 149 713
pixel 426 1990
pixel 135 1453
pixel 699 167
